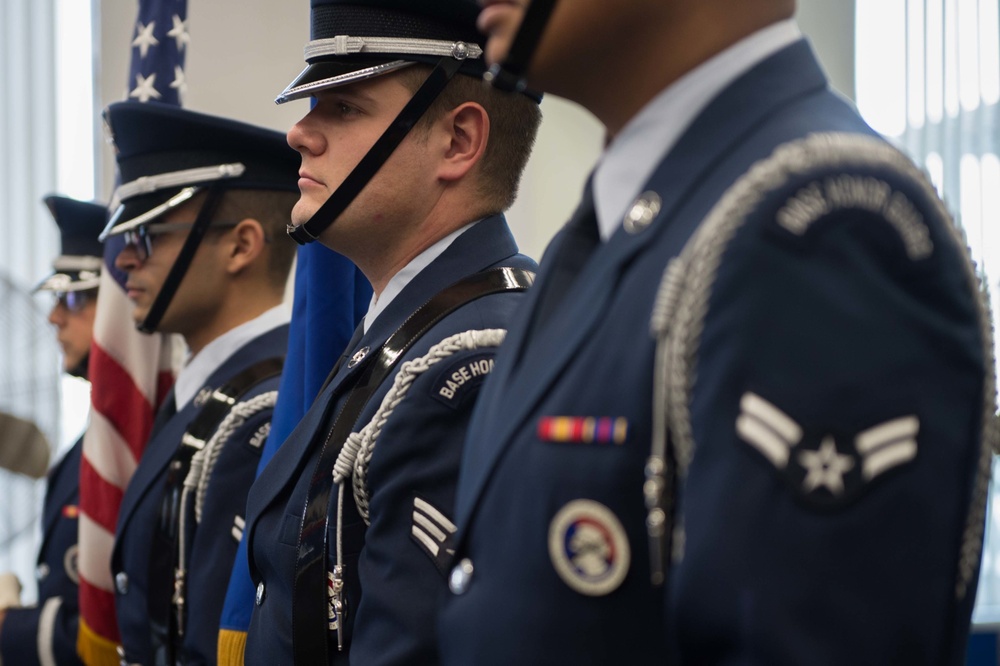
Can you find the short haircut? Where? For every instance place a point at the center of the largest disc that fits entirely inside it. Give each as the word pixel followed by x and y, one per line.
pixel 514 121
pixel 273 209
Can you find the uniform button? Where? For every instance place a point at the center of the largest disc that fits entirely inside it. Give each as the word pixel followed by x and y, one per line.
pixel 260 593
pixel 461 576
pixel 42 571
pixel 121 582
pixel 642 213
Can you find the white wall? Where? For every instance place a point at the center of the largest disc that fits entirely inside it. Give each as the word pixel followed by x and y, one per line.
pixel 241 55
pixel 243 52
pixel 829 24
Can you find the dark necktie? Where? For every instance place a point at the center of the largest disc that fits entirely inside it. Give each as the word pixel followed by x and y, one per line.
pixel 579 241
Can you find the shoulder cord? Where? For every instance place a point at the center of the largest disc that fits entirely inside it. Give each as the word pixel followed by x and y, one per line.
pixel 196 482
pixel 209 456
pixel 682 304
pixel 357 452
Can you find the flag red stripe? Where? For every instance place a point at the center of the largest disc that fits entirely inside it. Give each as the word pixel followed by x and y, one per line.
pixel 125 407
pixel 94 606
pixel 102 500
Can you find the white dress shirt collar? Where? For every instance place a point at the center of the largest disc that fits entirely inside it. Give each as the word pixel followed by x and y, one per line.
pixel 630 159
pixel 399 281
pixel 199 368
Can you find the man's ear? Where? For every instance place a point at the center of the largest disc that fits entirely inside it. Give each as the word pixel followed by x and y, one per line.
pixel 466 132
pixel 245 242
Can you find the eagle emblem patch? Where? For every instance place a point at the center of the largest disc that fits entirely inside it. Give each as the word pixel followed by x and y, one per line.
pixel 589 547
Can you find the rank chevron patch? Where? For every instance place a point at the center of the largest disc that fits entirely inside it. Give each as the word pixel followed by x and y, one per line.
pixel 431 531
pixel 827 468
pixel 888 445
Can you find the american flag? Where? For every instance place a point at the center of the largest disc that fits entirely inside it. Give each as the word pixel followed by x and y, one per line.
pixel 158 46
pixel 130 372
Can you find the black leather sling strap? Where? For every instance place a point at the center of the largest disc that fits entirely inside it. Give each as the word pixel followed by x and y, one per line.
pixel 309 600
pixel 163 588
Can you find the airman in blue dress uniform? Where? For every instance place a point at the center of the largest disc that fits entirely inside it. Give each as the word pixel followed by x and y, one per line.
pixel 46 632
pixel 203 206
pixel 349 523
pixel 746 414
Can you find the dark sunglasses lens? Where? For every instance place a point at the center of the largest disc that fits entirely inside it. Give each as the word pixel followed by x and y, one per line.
pixel 139 240
pixel 74 301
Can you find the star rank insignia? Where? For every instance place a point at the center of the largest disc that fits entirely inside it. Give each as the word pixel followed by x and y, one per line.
pixel 825 468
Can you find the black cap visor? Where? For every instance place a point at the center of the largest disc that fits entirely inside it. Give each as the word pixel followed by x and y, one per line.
pixel 145 209
pixel 326 74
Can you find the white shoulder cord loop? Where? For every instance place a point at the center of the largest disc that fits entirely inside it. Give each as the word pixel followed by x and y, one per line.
pixel 204 460
pixel 682 305
pixel 207 458
pixel 357 452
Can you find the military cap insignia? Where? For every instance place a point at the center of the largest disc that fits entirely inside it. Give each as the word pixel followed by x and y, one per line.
pixel 432 531
pixel 825 468
pixel 589 548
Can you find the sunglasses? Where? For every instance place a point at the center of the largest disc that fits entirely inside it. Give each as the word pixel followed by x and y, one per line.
pixel 141 238
pixel 74 301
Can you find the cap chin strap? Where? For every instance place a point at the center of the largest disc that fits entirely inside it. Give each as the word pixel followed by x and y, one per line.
pixel 373 160
pixel 509 75
pixel 183 262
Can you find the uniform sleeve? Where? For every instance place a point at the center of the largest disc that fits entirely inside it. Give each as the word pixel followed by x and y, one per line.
pixel 837 385
pixel 218 536
pixel 43 635
pixel 411 486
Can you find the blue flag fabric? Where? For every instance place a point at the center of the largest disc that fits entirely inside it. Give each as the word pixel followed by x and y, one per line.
pixel 331 297
pixel 159 43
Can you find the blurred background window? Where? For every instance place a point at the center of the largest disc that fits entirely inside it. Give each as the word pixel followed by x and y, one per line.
pixel 47 144
pixel 928 77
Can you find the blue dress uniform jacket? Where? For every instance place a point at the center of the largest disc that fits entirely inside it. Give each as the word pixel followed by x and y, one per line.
pixel 46 633
pixel 394 579
pixel 836 408
pixel 215 542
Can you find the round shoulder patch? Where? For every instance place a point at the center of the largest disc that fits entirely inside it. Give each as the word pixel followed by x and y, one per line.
pixel 589 548
pixel 71 563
